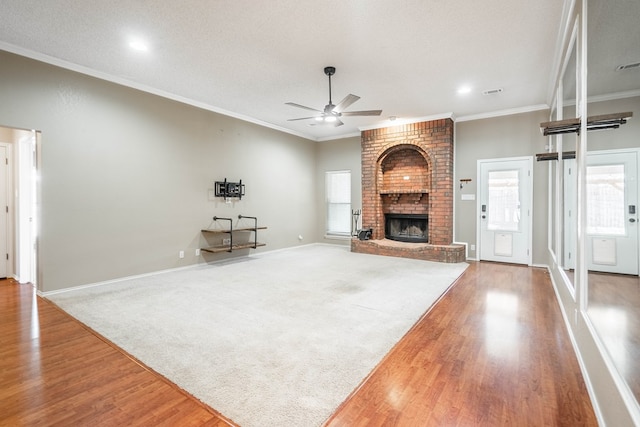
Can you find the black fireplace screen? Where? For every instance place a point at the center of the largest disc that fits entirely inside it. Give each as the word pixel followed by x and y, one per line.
pixel 406 227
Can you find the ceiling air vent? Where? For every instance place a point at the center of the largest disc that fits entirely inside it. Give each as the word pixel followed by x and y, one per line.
pixel 628 66
pixel 492 91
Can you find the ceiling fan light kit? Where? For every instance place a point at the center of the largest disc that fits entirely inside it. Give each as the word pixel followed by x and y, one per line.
pixel 331 113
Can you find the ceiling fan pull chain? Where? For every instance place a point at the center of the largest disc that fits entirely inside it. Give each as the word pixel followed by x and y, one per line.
pixel 330 102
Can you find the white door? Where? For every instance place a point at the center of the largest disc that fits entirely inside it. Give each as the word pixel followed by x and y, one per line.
pixel 612 206
pixel 504 208
pixel 4 212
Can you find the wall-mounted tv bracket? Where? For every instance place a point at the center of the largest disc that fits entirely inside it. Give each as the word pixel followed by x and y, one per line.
pixel 228 189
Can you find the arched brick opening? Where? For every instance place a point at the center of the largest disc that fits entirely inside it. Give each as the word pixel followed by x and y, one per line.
pixel 408 169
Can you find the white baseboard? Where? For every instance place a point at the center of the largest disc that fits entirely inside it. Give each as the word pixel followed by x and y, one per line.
pixel 170 270
pixel 541 266
pixel 119 279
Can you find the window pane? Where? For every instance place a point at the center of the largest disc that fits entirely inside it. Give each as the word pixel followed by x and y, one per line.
pixel 338 191
pixel 605 200
pixel 339 187
pixel 504 201
pixel 339 218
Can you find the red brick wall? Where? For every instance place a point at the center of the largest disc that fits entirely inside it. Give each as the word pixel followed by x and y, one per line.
pixel 405 204
pixel 423 152
pixel 405 169
pixel 445 253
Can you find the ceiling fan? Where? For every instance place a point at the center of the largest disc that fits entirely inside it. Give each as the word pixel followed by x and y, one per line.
pixel 332 113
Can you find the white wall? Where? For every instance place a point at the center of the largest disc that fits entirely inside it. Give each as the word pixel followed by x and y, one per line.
pixel 126 176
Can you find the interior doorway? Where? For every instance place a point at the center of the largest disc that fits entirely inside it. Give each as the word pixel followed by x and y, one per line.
pixel 20 205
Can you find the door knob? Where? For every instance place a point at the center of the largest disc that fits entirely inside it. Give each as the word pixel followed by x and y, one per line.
pixel 484 216
pixel 632 220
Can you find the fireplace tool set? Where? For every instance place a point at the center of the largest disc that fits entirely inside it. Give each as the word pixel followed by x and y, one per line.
pixel 362 234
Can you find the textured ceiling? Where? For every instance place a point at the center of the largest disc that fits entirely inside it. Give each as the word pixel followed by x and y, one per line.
pixel 248 58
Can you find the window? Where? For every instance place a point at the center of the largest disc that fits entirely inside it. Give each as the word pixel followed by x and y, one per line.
pixel 338 196
pixel 504 201
pixel 605 200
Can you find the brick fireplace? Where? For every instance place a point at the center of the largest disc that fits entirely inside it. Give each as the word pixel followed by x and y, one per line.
pixel 407 173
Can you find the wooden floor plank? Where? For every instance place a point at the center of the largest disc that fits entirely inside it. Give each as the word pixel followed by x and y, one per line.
pixel 55 371
pixel 494 351
pixel 614 309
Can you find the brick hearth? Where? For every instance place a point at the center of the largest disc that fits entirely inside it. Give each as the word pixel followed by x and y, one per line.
pixel 408 169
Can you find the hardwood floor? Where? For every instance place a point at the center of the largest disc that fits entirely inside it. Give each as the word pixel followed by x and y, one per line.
pixel 614 309
pixel 56 372
pixel 493 351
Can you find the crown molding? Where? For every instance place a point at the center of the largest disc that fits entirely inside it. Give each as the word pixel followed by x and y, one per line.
pixel 128 83
pixel 500 113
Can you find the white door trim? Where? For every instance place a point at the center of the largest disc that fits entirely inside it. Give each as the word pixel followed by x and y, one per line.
pixel 9 256
pixel 26 208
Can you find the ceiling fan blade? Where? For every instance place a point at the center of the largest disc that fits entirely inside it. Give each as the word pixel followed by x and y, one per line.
pixel 334 123
pixel 346 102
pixel 293 104
pixel 362 113
pixel 302 118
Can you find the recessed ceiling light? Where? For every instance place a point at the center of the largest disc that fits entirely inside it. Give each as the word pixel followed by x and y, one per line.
pixel 139 45
pixel 463 90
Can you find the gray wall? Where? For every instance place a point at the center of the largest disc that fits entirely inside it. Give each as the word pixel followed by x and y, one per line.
pixel 339 154
pixel 627 136
pixel 126 177
pixel 506 136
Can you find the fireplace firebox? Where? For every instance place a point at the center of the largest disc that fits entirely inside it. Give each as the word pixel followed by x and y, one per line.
pixel 406 227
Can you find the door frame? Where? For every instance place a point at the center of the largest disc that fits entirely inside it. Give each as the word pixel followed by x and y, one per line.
pixel 529 219
pixel 27 208
pixel 24 259
pixel 9 189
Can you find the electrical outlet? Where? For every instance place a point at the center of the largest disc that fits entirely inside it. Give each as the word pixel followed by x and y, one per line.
pixel 473 247
pixel 181 254
pixel 197 252
pixel 226 241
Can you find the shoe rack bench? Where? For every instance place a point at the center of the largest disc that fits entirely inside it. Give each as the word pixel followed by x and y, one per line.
pixel 230 231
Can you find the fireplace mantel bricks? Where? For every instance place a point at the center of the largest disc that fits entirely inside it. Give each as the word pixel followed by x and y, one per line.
pixel 409 169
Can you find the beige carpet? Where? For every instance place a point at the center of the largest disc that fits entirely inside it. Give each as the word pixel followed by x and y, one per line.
pixel 276 339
